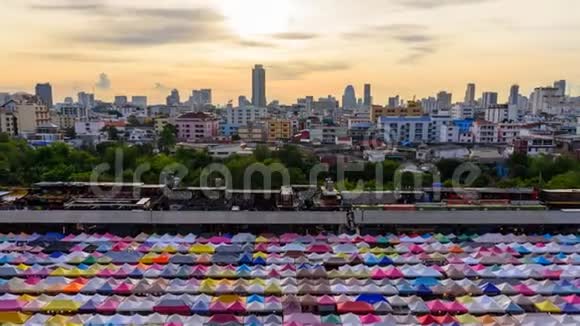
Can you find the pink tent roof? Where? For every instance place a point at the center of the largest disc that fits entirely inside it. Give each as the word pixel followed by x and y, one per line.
pixel 456 307
pixel 394 273
pixel 370 319
pixel 236 307
pixel 326 300
pixel 437 306
pixel 11 305
pixel 224 318
pixel 524 289
pixel 573 299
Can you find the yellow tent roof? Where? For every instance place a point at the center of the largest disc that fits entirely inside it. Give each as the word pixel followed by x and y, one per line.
pixel 58 320
pixel 201 249
pixel 547 306
pixel 260 254
pixel 27 297
pixel 465 299
pixel 229 298
pixel 60 271
pixel 23 267
pixel 273 288
pixel 13 317
pixel 261 239
pixel 61 305
pixel 467 319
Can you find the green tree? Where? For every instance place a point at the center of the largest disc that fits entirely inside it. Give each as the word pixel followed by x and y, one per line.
pixel 167 138
pixel 262 152
pixel 112 133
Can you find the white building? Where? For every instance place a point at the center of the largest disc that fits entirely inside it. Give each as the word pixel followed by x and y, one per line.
pixel 463 111
pixel 139 101
pixel 89 127
pixel 485 132
pixel 543 99
pixel 241 116
pixel 502 112
pixel 87 100
pixel 405 130
pixel 488 99
pixel 225 151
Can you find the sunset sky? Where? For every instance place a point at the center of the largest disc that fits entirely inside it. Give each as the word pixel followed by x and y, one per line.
pixel 309 47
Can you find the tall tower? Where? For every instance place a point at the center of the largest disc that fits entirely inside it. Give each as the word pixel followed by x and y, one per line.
pixel 470 94
pixel 259 86
pixel 44 92
pixel 349 98
pixel 368 99
pixel 514 94
pixel 561 86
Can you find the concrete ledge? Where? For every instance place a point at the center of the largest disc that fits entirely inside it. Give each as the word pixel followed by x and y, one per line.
pixel 304 217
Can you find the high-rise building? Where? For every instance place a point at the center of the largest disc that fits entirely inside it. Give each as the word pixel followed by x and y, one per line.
pixel 44 92
pixel 429 104
pixel 259 86
pixel 173 98
pixel 349 98
pixel 394 101
pixel 4 97
pixel 561 86
pixel 243 101
pixel 444 100
pixel 470 94
pixel 139 101
pixel 543 99
pixel 201 97
pixel 488 99
pixel 514 95
pixel 120 100
pixel 87 100
pixel 368 99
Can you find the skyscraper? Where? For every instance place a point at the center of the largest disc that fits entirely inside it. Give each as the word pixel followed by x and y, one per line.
pixel 394 101
pixel 349 98
pixel 488 99
pixel 121 100
pixel 470 94
pixel 514 95
pixel 259 86
pixel 139 101
pixel 561 86
pixel 44 92
pixel 368 99
pixel 444 100
pixel 86 100
pixel 201 97
pixel 173 98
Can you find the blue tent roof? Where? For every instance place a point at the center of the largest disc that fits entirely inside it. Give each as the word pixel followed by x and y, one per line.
pixel 370 298
pixel 255 298
pixel 424 290
pixel 200 307
pixel 514 309
pixel 55 254
pixel 489 288
pixel 541 260
pixel 427 281
pixel 569 308
pixel 386 261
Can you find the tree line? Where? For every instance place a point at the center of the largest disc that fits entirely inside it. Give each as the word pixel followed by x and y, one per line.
pixel 23 165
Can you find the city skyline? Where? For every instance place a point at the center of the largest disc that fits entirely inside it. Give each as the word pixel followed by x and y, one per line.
pixel 203 44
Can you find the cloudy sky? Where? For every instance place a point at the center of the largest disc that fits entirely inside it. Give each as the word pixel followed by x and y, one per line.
pixel 310 47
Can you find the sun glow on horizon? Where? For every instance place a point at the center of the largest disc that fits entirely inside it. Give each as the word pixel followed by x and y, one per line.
pixel 257 17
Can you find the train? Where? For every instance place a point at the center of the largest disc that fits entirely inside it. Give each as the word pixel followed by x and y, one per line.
pixel 138 196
